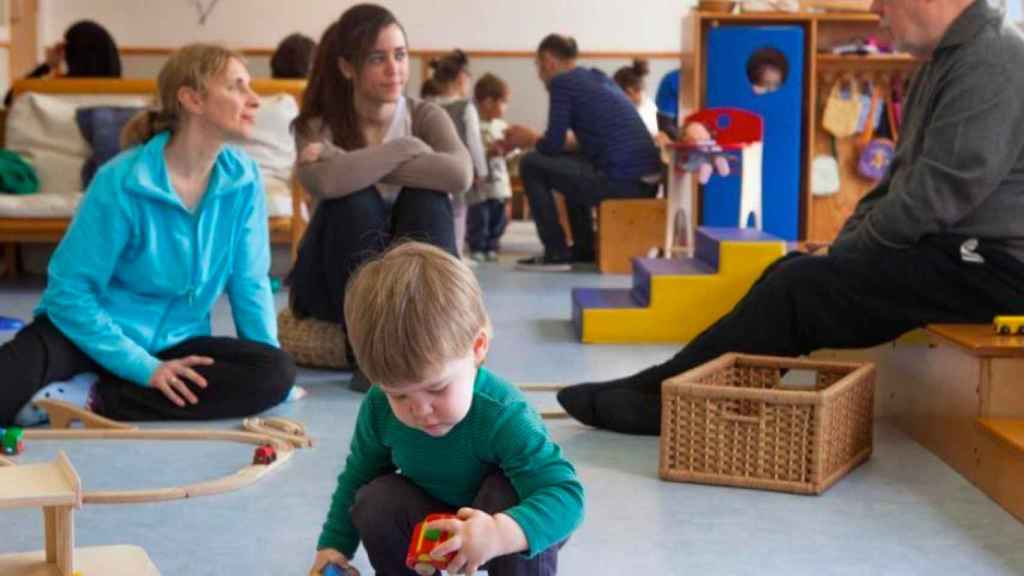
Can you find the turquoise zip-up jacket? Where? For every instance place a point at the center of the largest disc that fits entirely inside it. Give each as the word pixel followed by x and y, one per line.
pixel 138 272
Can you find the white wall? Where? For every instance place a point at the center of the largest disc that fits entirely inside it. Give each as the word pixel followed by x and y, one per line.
pixel 598 25
pixel 514 25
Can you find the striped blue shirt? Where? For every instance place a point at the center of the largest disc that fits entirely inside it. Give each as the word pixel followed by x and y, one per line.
pixel 609 130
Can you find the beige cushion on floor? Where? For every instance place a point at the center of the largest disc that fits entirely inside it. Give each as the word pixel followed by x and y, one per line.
pixel 312 342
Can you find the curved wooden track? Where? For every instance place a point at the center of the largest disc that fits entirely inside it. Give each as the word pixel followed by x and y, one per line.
pixel 284 435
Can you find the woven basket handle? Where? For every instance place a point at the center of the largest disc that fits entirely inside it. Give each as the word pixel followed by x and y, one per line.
pixel 741 418
pixel 731 416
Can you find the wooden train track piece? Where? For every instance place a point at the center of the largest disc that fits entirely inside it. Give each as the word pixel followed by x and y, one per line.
pixel 546 414
pixel 62 414
pixel 280 428
pixel 285 436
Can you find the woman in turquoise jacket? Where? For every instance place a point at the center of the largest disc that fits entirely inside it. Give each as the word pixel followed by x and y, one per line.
pixel 163 230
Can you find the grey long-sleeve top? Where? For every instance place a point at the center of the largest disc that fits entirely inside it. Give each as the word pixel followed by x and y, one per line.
pixel 959 167
pixel 432 156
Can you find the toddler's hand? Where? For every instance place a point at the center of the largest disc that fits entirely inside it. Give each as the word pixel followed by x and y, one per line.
pixel 331 556
pixel 475 538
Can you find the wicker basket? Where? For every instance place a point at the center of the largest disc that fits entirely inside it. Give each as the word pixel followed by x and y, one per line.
pixel 312 342
pixel 733 421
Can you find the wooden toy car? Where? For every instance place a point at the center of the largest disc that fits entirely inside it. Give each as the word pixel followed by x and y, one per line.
pixel 1009 324
pixel 12 442
pixel 264 455
pixel 423 542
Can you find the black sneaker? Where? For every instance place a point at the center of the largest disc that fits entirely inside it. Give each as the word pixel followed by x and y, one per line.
pixel 545 264
pixel 358 382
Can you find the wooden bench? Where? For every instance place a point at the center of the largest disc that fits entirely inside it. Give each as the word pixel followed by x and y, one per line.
pixel 961 395
pixel 29 230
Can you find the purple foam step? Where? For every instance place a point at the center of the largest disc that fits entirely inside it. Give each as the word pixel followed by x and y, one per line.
pixel 644 269
pixel 598 298
pixel 709 238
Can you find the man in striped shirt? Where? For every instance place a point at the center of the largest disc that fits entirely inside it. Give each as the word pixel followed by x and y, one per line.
pixel 595 147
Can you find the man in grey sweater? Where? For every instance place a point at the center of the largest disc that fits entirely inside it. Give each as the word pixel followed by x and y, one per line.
pixel 939 239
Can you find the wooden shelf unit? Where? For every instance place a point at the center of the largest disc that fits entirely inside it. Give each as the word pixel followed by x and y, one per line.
pixel 821 217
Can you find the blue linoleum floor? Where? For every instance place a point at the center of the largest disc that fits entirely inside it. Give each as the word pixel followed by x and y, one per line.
pixel 903 512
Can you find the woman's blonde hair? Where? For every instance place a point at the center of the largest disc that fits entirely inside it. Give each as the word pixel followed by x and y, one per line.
pixel 411 310
pixel 191 66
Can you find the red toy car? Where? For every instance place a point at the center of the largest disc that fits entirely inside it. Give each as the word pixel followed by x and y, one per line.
pixel 423 542
pixel 264 455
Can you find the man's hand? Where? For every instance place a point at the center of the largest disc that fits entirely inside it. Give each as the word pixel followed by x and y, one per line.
pixel 519 136
pixel 170 377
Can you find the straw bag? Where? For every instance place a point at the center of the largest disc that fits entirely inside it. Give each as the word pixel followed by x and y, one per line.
pixel 842 110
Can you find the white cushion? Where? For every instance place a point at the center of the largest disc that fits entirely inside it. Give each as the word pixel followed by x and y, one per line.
pixel 271 144
pixel 42 128
pixel 39 205
pixel 279 196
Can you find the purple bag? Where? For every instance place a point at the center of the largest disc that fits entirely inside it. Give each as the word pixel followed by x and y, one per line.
pixel 876 153
pixel 875 158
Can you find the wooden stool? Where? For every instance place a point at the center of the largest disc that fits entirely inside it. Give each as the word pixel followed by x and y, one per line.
pixel 627 229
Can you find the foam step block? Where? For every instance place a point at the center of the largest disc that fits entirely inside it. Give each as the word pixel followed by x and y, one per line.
pixel 674 300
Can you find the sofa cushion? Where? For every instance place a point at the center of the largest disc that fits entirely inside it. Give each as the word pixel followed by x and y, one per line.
pixel 101 127
pixel 271 144
pixel 39 205
pixel 42 128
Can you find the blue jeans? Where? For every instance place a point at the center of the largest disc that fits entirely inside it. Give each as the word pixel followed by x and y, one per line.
pixel 487 222
pixel 345 232
pixel 584 187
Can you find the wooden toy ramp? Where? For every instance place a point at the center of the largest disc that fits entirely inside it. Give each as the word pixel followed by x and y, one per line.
pixel 673 300
pixel 56 488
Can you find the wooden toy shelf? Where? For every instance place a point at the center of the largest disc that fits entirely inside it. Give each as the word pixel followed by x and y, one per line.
pixel 821 217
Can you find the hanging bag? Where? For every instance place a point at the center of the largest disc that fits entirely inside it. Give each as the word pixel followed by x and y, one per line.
pixel 842 109
pixel 876 153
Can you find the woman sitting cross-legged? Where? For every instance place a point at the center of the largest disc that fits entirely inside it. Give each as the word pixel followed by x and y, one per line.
pixel 163 230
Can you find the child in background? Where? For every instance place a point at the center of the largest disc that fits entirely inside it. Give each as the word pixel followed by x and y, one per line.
pixel 464 440
pixel 487 217
pixel 632 81
pixel 449 88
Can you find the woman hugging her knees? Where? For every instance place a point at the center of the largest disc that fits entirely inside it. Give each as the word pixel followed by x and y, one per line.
pixel 377 164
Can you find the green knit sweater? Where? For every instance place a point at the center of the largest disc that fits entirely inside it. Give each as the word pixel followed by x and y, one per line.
pixel 500 432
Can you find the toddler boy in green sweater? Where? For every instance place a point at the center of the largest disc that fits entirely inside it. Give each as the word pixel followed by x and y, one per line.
pixel 438 432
